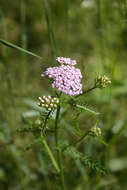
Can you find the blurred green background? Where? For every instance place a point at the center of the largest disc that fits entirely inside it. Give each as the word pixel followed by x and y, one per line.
pixel 94 32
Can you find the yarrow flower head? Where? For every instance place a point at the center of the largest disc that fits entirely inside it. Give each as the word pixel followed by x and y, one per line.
pixel 48 102
pixel 66 78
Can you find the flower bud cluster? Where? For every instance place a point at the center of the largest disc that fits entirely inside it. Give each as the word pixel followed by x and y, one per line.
pixel 102 81
pixel 48 102
pixel 95 131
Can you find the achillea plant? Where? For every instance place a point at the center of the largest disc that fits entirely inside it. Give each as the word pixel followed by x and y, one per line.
pixel 65 78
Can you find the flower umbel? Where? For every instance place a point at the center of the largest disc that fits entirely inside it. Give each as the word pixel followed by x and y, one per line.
pixel 102 81
pixel 48 102
pixel 66 78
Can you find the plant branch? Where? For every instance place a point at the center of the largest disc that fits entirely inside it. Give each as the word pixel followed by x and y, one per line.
pixel 50 154
pixel 81 138
pixel 87 91
pixel 45 121
pixel 87 109
pixel 59 157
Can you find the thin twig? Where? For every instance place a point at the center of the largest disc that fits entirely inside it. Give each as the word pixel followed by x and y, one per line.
pixel 87 91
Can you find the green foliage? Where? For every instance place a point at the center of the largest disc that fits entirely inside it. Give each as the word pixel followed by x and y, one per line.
pixel 94 33
pixel 72 152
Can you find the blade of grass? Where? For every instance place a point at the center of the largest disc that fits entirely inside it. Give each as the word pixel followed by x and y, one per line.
pixel 23 41
pixel 117 135
pixel 5 57
pixel 50 29
pixel 5 128
pixel 13 151
pixel 3 22
pixel 66 6
pixel 6 43
pixel 44 169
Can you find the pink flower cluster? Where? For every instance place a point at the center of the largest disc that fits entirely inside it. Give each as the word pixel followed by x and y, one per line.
pixel 66 78
pixel 67 61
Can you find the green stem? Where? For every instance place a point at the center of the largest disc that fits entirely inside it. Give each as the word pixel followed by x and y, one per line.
pixel 45 121
pixel 59 156
pixel 56 125
pixel 77 142
pixel 87 91
pixel 87 109
pixel 82 138
pixel 50 154
pixel 47 147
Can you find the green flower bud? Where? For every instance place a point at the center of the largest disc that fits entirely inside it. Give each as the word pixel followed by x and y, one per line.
pixel 102 81
pixel 95 131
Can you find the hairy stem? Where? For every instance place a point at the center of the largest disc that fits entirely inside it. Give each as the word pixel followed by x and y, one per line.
pixel 59 156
